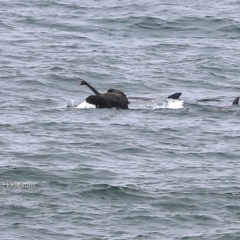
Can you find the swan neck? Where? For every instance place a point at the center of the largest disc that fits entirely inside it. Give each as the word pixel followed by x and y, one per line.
pixel 92 88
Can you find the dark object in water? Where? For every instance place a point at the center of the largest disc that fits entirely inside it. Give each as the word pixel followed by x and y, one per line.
pixel 236 101
pixel 112 98
pixel 175 96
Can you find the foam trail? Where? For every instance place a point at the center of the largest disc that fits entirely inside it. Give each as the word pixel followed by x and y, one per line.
pixel 173 104
pixel 85 105
pixel 169 103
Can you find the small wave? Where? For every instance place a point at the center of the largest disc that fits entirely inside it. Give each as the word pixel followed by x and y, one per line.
pixel 105 191
pixel 169 103
pixel 152 104
pixel 70 104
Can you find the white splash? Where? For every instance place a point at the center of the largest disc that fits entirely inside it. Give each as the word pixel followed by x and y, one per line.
pixel 173 104
pixel 85 105
pixel 169 103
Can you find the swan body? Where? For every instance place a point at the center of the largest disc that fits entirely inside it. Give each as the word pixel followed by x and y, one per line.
pixel 113 98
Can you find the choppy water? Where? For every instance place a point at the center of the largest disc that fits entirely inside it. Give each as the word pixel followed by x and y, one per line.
pixel 155 171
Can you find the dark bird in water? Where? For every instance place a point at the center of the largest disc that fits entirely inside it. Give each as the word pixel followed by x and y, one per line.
pixel 113 98
pixel 236 101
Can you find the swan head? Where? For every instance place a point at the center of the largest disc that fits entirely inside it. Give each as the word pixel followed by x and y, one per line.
pixel 83 82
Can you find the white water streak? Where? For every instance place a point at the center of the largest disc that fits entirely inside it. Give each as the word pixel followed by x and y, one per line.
pixel 169 103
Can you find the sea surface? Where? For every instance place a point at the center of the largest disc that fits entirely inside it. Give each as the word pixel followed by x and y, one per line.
pixel 162 169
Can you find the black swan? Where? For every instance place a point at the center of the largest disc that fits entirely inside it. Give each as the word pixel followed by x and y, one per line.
pixel 113 98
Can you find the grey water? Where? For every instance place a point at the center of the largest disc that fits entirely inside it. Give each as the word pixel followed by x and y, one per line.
pixel 150 172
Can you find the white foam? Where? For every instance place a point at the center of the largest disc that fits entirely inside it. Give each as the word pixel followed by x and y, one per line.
pixel 169 103
pixel 85 105
pixel 173 104
pixel 153 104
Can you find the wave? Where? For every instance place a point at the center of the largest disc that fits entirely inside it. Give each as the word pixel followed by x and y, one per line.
pixel 115 192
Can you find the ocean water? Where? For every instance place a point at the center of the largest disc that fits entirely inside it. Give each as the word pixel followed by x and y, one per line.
pixel 159 170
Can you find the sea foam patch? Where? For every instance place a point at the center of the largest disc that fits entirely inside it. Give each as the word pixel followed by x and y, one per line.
pixel 84 104
pixel 169 103
pixel 173 104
